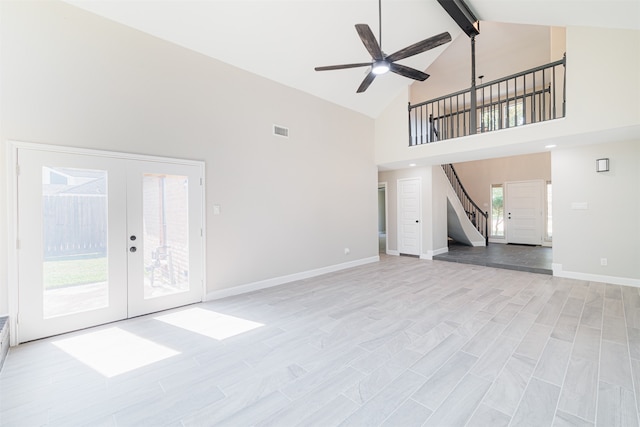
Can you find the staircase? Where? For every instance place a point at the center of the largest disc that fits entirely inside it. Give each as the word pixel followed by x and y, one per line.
pixel 466 222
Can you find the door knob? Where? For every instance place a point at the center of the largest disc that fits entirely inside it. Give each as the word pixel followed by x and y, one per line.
pixel 132 238
pixel 417 221
pixel 132 249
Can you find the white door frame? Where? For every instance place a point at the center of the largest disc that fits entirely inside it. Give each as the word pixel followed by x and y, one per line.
pixel 12 149
pixel 419 219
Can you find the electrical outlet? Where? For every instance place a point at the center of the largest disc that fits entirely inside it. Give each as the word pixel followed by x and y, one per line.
pixel 347 251
pixel 603 261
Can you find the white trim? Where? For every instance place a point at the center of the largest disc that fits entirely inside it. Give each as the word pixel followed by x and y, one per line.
pixel 276 281
pixel 203 227
pixel 431 254
pixel 102 153
pixel 614 280
pixel 393 252
pixel 12 236
pixel 439 251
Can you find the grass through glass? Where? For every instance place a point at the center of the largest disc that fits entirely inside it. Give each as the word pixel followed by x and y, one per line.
pixel 73 272
pixel 74 228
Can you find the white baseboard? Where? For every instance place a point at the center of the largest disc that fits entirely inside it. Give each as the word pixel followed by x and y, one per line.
pixel 431 254
pixel 393 252
pixel 263 284
pixel 614 280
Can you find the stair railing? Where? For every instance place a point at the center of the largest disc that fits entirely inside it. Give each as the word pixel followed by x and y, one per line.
pixel 477 216
pixel 531 96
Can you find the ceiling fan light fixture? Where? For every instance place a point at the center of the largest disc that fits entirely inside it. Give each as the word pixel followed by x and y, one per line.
pixel 380 67
pixel 381 63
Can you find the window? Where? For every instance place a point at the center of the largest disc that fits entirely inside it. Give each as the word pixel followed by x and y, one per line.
pixel 501 115
pixel 490 118
pixel 497 210
pixel 514 115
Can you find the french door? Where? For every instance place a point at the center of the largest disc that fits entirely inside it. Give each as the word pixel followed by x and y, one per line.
pixel 103 238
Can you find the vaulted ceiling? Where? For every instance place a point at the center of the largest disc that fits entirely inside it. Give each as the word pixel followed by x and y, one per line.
pixel 284 40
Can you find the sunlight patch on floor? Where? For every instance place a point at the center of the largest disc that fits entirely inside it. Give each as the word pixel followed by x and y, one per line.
pixel 209 323
pixel 114 351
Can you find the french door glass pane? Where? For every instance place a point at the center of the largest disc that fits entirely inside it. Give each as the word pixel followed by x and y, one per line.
pixel 74 224
pixel 165 234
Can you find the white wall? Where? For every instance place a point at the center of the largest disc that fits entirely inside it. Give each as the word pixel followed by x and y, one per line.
pixel 439 189
pixel 288 205
pixel 392 128
pixel 610 227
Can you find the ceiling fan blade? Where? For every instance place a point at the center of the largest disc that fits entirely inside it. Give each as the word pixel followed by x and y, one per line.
pixel 420 47
pixel 340 67
pixel 412 73
pixel 366 82
pixel 369 41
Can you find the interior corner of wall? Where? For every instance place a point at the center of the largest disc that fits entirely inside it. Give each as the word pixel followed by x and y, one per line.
pixel 556 268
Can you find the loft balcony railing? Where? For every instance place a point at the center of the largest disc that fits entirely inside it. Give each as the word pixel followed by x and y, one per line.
pixel 531 96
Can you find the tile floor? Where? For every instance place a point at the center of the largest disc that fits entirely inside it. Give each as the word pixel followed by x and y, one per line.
pixel 534 259
pixel 402 342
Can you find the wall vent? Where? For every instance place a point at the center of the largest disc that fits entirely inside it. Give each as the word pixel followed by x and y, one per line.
pixel 281 131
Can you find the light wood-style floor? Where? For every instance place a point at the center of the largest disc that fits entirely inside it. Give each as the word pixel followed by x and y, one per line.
pixel 403 342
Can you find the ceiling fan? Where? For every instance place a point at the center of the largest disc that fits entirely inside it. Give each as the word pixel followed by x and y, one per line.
pixel 382 63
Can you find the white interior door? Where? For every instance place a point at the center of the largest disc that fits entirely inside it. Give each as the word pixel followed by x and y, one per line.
pixel 524 212
pixel 76 263
pixel 409 214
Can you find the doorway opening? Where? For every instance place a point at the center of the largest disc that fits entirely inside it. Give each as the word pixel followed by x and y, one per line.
pixel 382 217
pixel 516 193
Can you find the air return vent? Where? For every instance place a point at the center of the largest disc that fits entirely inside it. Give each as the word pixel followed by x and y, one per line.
pixel 281 131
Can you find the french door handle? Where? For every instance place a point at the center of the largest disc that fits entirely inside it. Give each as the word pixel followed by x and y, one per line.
pixel 132 249
pixel 132 238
